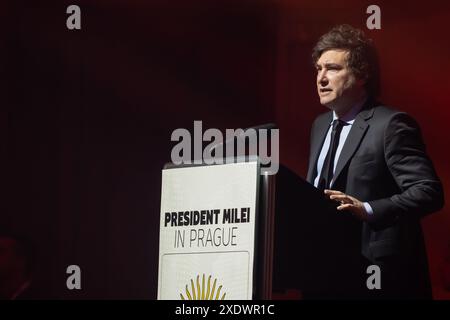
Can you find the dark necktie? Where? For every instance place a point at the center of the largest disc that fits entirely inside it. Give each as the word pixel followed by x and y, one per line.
pixel 328 165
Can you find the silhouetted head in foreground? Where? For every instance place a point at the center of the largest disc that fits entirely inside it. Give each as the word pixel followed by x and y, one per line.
pixel 15 266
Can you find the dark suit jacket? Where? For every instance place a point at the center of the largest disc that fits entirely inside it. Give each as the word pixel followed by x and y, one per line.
pixel 384 162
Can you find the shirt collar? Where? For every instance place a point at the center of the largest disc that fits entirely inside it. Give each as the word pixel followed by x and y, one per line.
pixel 350 116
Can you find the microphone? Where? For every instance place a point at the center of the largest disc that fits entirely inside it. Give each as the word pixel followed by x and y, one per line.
pixel 266 126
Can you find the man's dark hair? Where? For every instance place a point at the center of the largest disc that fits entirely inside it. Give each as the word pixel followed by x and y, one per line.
pixel 362 58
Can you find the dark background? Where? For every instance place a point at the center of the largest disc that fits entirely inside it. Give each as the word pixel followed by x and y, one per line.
pixel 89 114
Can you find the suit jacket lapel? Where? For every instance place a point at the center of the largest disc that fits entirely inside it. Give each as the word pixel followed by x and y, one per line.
pixel 316 145
pixel 354 138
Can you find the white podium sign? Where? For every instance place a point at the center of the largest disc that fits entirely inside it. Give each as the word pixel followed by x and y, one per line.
pixel 207 232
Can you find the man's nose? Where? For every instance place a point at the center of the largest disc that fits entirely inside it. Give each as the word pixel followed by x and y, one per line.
pixel 322 78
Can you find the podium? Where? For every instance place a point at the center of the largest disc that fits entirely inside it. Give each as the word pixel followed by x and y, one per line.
pixel 316 248
pixel 229 232
pixel 216 231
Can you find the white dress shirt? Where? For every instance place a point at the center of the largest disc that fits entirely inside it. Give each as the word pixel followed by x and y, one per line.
pixel 348 119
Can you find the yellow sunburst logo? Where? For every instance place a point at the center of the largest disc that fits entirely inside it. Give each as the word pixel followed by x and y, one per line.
pixel 203 291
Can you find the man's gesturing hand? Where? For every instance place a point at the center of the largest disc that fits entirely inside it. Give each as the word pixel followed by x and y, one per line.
pixel 349 203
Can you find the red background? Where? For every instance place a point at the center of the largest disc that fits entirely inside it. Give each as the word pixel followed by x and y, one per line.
pixel 90 113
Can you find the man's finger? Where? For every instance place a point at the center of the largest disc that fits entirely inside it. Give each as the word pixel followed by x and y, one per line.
pixel 330 192
pixel 339 197
pixel 344 206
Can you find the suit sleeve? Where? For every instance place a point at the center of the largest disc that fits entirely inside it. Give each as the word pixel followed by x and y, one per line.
pixel 421 191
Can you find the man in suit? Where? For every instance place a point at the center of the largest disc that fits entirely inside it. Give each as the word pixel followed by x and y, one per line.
pixel 370 160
